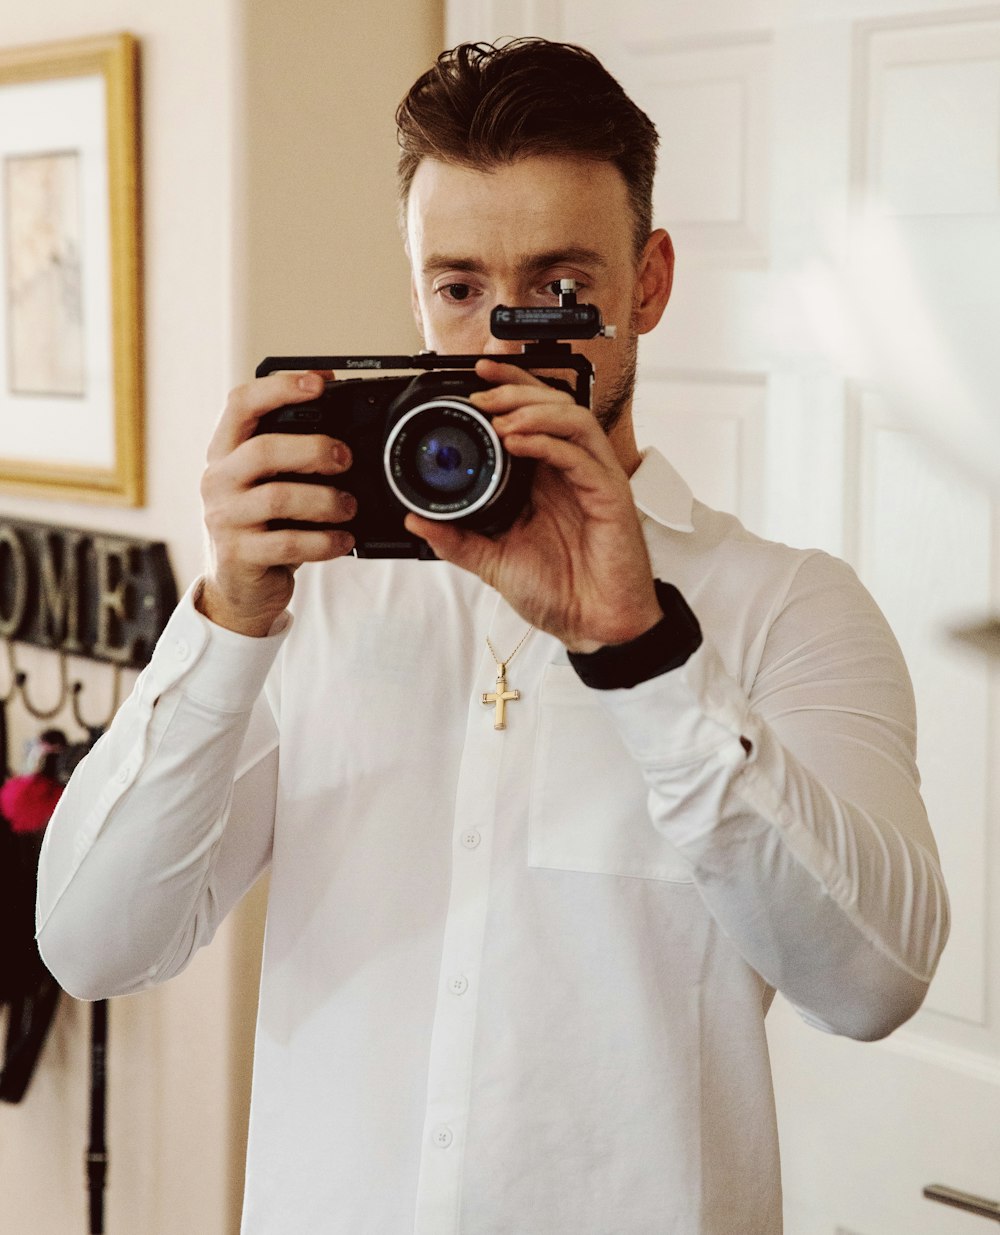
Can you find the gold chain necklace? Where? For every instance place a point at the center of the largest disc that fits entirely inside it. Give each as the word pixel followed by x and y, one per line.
pixel 500 696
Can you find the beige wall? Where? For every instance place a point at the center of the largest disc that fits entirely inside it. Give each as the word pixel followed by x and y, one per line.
pixel 268 172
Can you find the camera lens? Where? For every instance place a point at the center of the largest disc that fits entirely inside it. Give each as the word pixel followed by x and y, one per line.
pixel 448 460
pixel 444 460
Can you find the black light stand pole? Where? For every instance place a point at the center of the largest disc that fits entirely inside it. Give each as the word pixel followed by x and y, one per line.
pixel 97 1150
pixel 3 740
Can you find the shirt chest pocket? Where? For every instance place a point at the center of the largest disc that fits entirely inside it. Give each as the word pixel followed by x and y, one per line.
pixel 587 808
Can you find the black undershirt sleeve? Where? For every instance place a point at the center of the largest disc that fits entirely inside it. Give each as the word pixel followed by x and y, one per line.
pixel 666 646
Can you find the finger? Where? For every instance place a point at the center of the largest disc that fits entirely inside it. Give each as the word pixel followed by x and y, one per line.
pixel 306 503
pixel 500 373
pixel 497 372
pixel 580 469
pixel 292 546
pixel 565 422
pixel 509 397
pixel 246 405
pixel 453 544
pixel 273 454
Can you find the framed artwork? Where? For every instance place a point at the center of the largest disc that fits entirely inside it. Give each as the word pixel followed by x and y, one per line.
pixel 71 372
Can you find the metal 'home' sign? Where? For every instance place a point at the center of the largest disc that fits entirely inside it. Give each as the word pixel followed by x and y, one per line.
pixel 88 593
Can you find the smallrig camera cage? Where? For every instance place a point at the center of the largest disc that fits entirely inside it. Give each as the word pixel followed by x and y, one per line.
pixel 417 442
pixel 535 356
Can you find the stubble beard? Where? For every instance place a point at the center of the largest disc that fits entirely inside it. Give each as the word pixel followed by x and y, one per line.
pixel 618 400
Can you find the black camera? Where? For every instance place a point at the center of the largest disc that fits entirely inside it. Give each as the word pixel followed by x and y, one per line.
pixel 418 443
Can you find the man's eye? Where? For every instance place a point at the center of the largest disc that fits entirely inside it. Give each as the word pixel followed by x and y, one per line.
pixel 458 291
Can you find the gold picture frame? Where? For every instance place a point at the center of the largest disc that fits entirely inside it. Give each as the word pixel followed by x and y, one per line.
pixel 71 337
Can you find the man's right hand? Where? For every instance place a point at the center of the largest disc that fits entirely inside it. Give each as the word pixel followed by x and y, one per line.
pixel 249 580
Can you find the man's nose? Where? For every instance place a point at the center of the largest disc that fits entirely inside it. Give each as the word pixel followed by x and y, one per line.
pixel 501 347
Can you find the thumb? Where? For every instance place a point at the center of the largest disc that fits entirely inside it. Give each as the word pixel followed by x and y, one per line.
pixel 453 544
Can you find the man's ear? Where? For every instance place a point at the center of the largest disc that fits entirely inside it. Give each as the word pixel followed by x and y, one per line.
pixel 656 278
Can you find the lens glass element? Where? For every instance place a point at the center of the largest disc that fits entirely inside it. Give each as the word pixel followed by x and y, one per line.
pixel 448 459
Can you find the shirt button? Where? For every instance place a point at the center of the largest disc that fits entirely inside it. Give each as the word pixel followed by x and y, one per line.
pixel 123 774
pixel 458 985
pixel 442 1136
pixel 471 839
pixel 181 649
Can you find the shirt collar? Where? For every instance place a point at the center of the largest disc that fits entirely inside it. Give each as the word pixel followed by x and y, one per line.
pixel 662 493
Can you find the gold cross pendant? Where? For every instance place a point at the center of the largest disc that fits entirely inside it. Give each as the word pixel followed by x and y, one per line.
pixel 501 696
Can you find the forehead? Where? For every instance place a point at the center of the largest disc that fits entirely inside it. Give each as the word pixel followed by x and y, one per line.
pixel 537 204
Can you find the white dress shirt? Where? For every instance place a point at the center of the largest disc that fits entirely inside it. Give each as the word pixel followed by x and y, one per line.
pixel 514 982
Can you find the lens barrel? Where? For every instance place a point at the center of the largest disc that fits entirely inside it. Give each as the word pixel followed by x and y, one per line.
pixel 443 459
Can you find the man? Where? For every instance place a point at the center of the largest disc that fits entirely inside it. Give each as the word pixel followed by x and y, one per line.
pixel 514 979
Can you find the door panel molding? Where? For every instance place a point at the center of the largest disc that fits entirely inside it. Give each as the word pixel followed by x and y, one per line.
pixel 923 539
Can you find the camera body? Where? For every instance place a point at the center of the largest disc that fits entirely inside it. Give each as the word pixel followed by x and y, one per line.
pixel 418 443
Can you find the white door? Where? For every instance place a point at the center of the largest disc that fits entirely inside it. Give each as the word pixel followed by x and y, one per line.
pixel 830 171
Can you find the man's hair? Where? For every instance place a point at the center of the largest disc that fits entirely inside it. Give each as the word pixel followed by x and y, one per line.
pixel 484 105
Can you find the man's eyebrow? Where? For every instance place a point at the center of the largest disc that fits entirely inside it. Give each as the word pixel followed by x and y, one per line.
pixel 435 262
pixel 575 255
pixel 530 263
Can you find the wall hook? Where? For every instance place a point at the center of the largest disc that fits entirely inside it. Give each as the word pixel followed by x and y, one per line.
pixel 98 727
pixel 21 682
pixel 8 694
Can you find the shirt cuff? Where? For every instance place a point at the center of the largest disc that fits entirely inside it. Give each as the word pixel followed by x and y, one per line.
pixel 679 719
pixel 219 668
